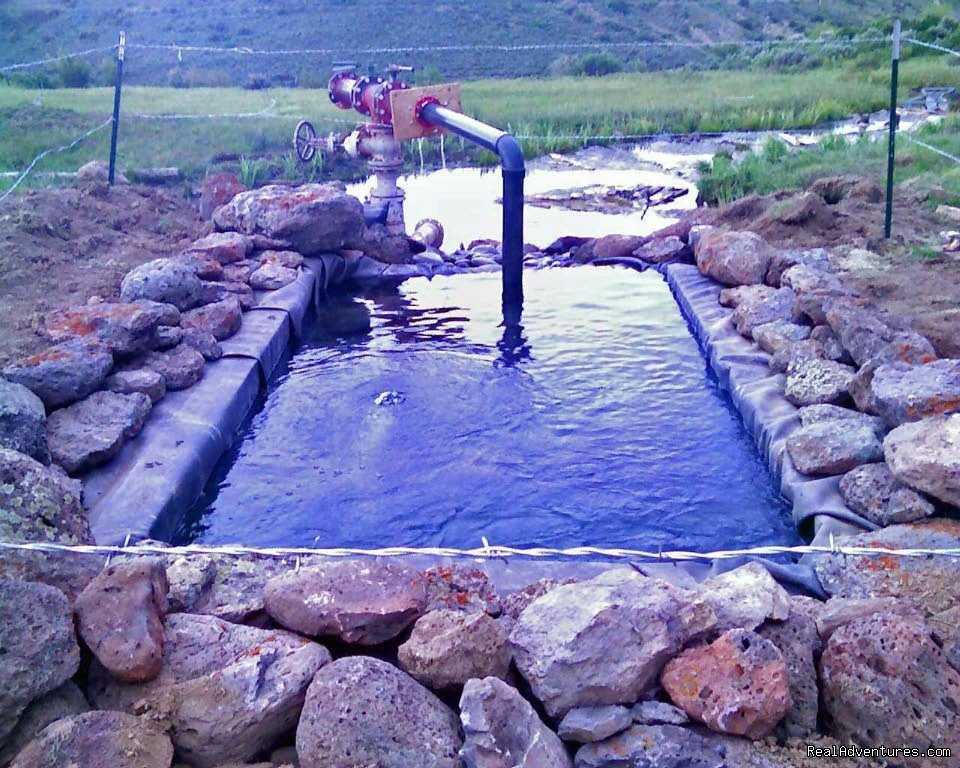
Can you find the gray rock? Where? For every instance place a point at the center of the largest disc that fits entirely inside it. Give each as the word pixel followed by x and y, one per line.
pixel 771 337
pixel 782 260
pixel 831 344
pixel 502 730
pixel 807 278
pixel 793 353
pixel 750 313
pixel 288 259
pixel 663 250
pixel 22 421
pixel 658 713
pixel 516 602
pixel 92 431
pixel 886 681
pixel 168 281
pixel 929 583
pixel 225 247
pixel 270 277
pixel 366 603
pixel 946 630
pixel 204 343
pixel 120 618
pixel 124 329
pixel 143 381
pixel 733 258
pixel 903 393
pixel 229 289
pixel 833 447
pixel 867 337
pixel 181 367
pixel 586 724
pixel 799 644
pixel 811 381
pixel 924 456
pixel 652 746
pixel 604 641
pixel 733 297
pixel 820 414
pixel 363 711
pixel 63 373
pixel 745 597
pixel 227 692
pixel 221 319
pixel 40 651
pixel 98 740
pixel 61 702
pixel 167 336
pixel 447 648
pixel 382 245
pixel 840 611
pixel 312 217
pixel 872 491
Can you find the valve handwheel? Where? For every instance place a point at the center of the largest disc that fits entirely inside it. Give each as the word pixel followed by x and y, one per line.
pixel 305 141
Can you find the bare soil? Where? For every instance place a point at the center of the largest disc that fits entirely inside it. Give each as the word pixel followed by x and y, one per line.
pixel 60 247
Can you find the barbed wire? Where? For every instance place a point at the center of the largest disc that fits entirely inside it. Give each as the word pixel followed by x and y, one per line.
pixel 51 151
pixel 55 59
pixel 931 46
pixel 486 551
pixel 930 147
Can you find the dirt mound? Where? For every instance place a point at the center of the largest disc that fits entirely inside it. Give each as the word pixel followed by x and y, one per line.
pixel 59 247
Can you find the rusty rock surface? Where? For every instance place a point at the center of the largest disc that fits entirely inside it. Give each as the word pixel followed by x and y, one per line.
pixel 181 367
pixel 361 711
pixel 737 685
pixel 125 329
pixel 221 319
pixel 218 189
pixel 605 640
pixel 63 373
pixel 360 602
pixel 120 618
pixel 142 380
pixel 903 393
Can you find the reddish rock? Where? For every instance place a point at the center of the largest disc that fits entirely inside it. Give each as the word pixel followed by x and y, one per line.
pixel 143 380
pixel 213 292
pixel 201 265
pixel 224 247
pixel 221 319
pixel 240 271
pixel 447 648
pixel 204 343
pixel 886 681
pixel 366 603
pixel 181 367
pixel 288 259
pixel 459 588
pixel 271 276
pixel 616 246
pixel 662 250
pixel 733 258
pixel 737 685
pixel 903 393
pixel 120 616
pixel 125 329
pixel 218 189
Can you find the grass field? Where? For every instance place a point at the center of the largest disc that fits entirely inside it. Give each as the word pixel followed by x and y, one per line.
pixel 559 108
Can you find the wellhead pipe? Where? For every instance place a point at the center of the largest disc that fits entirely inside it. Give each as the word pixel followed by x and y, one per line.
pixel 507 148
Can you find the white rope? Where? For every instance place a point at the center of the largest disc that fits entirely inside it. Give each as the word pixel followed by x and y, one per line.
pixel 266 112
pixel 54 59
pixel 52 151
pixel 933 149
pixel 932 46
pixel 487 550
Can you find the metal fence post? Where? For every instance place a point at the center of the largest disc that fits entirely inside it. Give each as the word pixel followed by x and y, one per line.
pixel 891 146
pixel 116 106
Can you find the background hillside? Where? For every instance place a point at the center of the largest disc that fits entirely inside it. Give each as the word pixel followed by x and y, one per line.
pixel 31 29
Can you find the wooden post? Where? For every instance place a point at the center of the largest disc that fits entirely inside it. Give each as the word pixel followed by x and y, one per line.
pixel 118 85
pixel 892 143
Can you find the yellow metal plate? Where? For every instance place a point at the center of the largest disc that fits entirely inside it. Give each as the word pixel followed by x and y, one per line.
pixel 403 105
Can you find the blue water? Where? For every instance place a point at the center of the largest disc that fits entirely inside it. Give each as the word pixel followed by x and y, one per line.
pixel 600 425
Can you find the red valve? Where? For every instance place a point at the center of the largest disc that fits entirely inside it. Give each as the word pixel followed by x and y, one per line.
pixel 369 95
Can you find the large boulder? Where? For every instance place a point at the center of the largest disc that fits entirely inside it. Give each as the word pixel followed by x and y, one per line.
pixel 124 329
pixel 779 306
pixel 120 618
pixel 63 373
pixel 927 582
pixel 446 648
pixel 312 217
pixel 872 491
pixel 502 730
pixel 40 651
pixel 663 250
pixel 733 258
pixel 903 393
pixel 886 681
pixel 22 421
pixel 227 692
pixel 218 189
pixel 363 711
pixel 65 701
pixel 93 430
pixel 366 603
pixel 926 455
pixel 867 337
pixel 833 447
pixel 606 640
pixel 737 685
pixel 98 740
pixel 169 281
pixel 783 259
pixel 745 598
pixel 653 746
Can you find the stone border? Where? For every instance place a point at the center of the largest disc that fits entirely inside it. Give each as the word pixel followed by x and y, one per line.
pixel 743 371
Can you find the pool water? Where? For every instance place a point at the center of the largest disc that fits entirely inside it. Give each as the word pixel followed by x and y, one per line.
pixel 598 423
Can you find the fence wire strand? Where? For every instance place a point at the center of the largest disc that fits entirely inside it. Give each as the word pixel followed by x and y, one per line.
pixel 930 147
pixel 55 59
pixel 931 46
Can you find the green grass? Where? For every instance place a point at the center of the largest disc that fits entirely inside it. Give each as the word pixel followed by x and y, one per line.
pixel 557 108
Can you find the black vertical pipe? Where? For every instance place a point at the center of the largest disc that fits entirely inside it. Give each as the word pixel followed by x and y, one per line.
pixel 510 153
pixel 892 142
pixel 118 85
